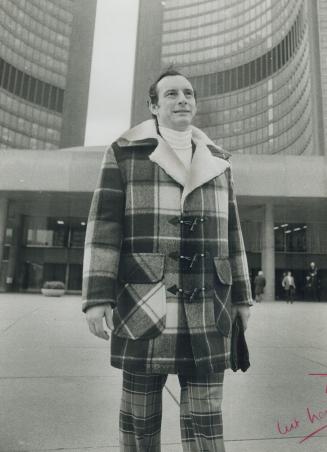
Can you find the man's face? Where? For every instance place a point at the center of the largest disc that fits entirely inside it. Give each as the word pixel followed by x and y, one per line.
pixel 176 105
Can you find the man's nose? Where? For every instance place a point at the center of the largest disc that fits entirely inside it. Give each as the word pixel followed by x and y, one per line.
pixel 181 98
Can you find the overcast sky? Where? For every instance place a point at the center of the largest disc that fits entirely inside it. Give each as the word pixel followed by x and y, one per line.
pixel 112 71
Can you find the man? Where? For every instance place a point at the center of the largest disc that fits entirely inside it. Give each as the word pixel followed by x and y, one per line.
pixel 312 282
pixel 165 267
pixel 288 284
pixel 259 286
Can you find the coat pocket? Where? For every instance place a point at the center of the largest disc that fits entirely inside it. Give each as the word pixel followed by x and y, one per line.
pixel 141 296
pixel 222 295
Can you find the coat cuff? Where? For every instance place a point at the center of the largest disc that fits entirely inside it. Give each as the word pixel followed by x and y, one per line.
pixel 243 303
pixel 90 304
pixel 98 291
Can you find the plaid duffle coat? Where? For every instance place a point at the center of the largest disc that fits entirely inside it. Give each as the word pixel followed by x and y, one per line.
pixel 164 247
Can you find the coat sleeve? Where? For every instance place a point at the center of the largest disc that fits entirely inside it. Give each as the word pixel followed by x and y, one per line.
pixel 103 236
pixel 241 287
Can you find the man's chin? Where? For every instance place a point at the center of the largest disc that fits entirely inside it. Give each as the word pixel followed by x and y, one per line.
pixel 182 124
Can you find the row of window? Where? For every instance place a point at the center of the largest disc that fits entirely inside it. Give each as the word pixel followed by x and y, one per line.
pixel 257 28
pixel 29 128
pixel 226 11
pixel 59 232
pixel 278 136
pixel 23 109
pixel 34 47
pixel 48 57
pixel 34 274
pixel 44 12
pixel 20 24
pixel 214 34
pixel 170 4
pixel 296 141
pixel 281 131
pixel 41 29
pixel 250 144
pixel 30 36
pixel 264 123
pixel 12 139
pixel 227 56
pixel 62 9
pixel 279 13
pixel 284 105
pixel 229 49
pixel 30 88
pixel 57 78
pixel 289 117
pixel 54 232
pixel 283 92
pixel 254 71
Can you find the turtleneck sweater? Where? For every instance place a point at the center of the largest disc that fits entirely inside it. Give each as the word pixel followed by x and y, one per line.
pixel 180 142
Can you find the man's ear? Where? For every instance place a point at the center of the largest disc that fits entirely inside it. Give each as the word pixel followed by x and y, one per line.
pixel 153 108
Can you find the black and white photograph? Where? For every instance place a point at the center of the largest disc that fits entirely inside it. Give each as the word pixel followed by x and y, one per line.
pixel 163 225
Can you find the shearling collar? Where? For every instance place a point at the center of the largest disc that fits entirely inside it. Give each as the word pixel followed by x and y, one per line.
pixel 204 165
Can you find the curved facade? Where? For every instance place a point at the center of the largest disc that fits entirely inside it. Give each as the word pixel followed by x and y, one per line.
pixel 260 72
pixel 36 47
pixel 249 63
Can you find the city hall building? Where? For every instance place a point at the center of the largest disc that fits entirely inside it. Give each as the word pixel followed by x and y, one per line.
pixel 44 87
pixel 259 68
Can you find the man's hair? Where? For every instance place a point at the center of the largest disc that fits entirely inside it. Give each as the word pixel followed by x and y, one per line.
pixel 153 92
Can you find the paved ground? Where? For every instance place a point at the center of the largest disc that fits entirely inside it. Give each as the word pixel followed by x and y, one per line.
pixel 58 392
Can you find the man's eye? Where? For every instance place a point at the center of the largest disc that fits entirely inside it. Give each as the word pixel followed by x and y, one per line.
pixel 189 93
pixel 171 93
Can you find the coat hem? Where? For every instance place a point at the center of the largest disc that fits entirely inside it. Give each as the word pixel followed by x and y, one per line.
pixel 170 369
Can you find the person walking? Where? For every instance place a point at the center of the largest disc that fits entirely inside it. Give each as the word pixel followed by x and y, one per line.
pixel 165 268
pixel 259 286
pixel 288 284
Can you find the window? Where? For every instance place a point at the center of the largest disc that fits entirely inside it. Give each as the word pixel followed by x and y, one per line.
pixel 12 79
pixel 75 277
pixel 18 85
pixel 32 89
pixel 60 99
pixel 252 72
pixel 5 77
pixel 290 237
pixel 77 234
pixel 233 78
pixel 54 272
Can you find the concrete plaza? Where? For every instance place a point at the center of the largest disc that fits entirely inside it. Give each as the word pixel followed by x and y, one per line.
pixel 58 391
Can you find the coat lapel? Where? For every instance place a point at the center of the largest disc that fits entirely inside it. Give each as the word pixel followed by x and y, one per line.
pixel 167 159
pixel 204 165
pixel 163 155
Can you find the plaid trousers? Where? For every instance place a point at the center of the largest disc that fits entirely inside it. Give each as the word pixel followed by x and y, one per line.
pixel 200 412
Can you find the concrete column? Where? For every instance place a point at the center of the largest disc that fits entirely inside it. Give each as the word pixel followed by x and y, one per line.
pixel 11 278
pixel 3 225
pixel 268 251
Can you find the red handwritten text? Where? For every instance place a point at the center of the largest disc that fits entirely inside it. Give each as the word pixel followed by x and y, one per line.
pixel 313 417
pixel 288 428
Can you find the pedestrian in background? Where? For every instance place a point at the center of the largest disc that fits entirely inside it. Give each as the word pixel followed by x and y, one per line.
pixel 259 286
pixel 288 284
pixel 312 282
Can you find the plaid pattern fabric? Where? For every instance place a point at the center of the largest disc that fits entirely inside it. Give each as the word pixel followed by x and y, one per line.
pixel 200 412
pixel 164 248
pixel 141 412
